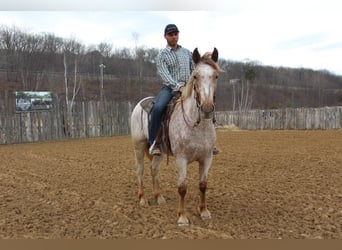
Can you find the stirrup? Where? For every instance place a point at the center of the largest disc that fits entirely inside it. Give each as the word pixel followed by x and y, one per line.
pixel 154 149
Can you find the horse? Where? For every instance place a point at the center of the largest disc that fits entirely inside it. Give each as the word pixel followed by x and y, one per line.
pixel 192 134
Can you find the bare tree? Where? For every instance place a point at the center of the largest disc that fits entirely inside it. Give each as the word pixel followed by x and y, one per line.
pixel 244 97
pixel 151 55
pixel 72 50
pixel 105 49
pixel 234 82
pixel 249 76
pixel 28 54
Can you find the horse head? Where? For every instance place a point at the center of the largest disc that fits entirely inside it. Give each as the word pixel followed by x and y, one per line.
pixel 204 80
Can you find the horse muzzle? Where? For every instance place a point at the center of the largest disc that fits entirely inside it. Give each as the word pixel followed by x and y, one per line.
pixel 207 110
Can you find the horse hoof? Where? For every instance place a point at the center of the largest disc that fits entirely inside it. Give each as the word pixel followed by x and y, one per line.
pixel 160 200
pixel 183 221
pixel 206 217
pixel 181 224
pixel 143 203
pixel 205 214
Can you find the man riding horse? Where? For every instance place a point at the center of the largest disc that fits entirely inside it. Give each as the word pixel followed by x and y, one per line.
pixel 174 65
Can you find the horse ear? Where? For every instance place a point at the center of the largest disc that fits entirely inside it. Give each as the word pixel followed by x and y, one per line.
pixel 214 55
pixel 196 56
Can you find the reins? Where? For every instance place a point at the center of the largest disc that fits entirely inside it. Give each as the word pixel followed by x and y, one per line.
pixel 186 121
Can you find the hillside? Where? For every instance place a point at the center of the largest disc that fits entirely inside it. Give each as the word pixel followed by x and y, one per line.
pixel 39 62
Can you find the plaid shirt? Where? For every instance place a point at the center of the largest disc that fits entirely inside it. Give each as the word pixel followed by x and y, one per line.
pixel 175 66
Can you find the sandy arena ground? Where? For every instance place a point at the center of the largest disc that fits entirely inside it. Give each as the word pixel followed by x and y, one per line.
pixel 264 184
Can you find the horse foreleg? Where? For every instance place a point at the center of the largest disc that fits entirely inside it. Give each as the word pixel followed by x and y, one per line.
pixel 182 189
pixel 155 179
pixel 202 208
pixel 182 219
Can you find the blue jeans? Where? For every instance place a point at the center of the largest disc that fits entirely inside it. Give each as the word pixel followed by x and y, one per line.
pixel 160 103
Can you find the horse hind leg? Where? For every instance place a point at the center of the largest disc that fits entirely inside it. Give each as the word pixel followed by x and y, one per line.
pixel 139 155
pixel 155 167
pixel 140 150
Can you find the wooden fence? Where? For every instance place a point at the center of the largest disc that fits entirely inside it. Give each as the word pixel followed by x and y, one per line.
pixel 92 119
pixel 298 118
pixel 89 119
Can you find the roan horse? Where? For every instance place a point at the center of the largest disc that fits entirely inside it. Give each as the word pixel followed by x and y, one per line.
pixel 191 133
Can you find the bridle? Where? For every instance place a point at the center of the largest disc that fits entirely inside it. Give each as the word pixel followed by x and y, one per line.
pixel 199 106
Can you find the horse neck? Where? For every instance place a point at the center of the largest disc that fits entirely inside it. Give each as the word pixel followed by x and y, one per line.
pixel 190 108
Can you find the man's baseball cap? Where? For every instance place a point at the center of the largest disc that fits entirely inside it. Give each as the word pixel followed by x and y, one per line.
pixel 170 28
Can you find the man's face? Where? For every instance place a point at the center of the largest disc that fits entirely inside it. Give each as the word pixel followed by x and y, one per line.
pixel 172 39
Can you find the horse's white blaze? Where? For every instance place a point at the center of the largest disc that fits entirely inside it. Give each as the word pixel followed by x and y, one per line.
pixel 207 75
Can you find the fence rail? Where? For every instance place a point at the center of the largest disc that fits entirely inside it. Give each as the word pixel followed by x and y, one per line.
pixel 92 119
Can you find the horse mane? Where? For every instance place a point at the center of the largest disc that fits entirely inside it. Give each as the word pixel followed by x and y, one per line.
pixel 205 59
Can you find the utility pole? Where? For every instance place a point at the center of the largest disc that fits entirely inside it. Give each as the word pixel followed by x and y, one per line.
pixel 102 66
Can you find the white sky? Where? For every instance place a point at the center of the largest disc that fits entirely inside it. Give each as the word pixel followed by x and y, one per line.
pixel 292 33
